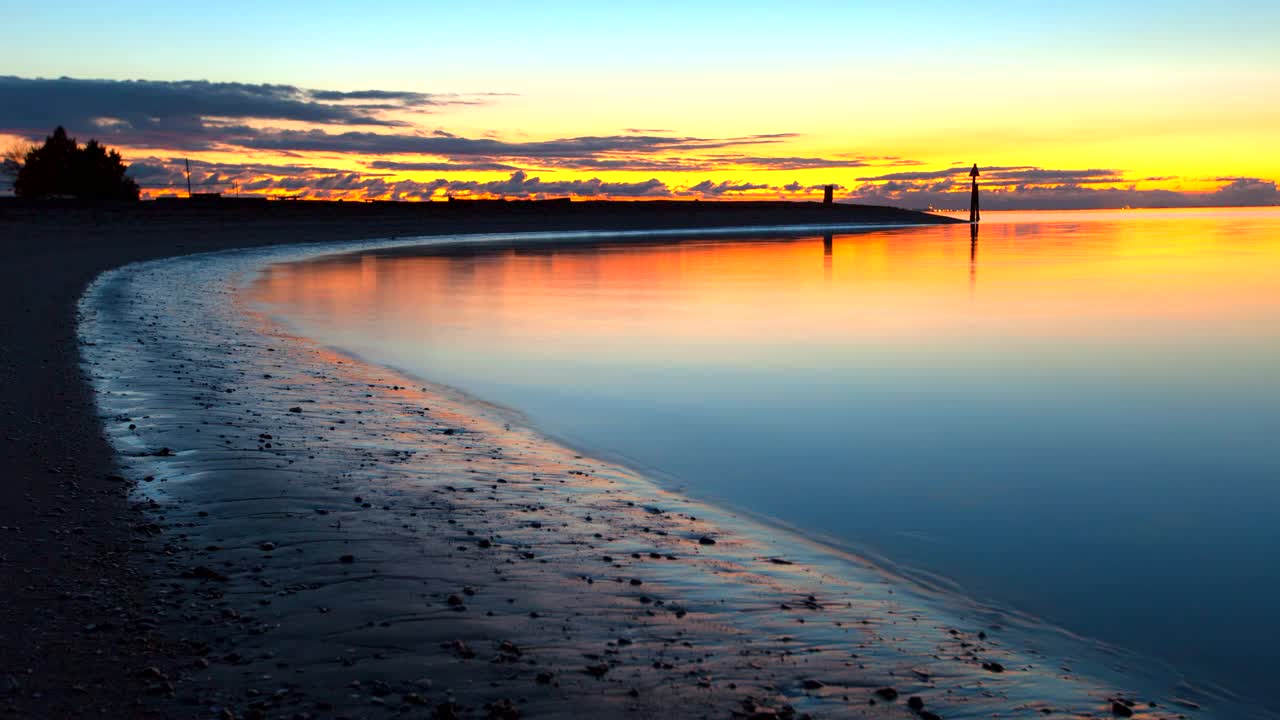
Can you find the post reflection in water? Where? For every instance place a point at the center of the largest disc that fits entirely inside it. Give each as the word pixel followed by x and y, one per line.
pixel 973 258
pixel 827 242
pixel 1090 440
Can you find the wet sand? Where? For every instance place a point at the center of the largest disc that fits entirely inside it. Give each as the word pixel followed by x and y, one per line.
pixel 352 539
pixel 75 640
pixel 314 536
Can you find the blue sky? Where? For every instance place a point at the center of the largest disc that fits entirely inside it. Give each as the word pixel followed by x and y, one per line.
pixel 1180 91
pixel 490 43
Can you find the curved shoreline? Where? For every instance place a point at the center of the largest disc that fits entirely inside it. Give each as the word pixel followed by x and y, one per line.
pixel 890 651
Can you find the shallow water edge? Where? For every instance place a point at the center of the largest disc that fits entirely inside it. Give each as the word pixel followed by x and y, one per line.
pixel 337 529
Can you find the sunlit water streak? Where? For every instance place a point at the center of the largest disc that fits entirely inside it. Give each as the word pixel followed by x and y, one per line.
pixel 1074 415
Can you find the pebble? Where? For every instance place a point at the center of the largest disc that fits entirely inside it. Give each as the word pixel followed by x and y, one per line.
pixel 201 572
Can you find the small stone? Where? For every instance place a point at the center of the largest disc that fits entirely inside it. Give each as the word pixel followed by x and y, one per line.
pixel 152 673
pixel 379 688
pixel 915 703
pixel 1119 709
pixel 704 540
pixel 201 572
pixel 887 693
pixel 502 709
pixel 347 559
pixel 813 684
pixel 994 667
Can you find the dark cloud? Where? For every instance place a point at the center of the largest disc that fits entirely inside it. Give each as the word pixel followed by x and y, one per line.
pixel 372 143
pixel 1012 175
pixel 630 160
pixel 521 185
pixel 1037 175
pixel 439 166
pixel 321 183
pixel 798 188
pixel 922 194
pixel 188 114
pixel 195 116
pixel 789 163
pixel 325 182
pixel 518 185
pixel 386 96
pixel 707 188
pixel 756 162
pixel 1245 192
pixel 156 173
pixel 626 163
pixel 937 174
pixel 695 163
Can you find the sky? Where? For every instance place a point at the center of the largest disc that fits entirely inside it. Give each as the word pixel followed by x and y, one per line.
pixel 1063 104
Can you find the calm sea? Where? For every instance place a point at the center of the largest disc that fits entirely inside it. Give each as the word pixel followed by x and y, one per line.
pixel 1076 415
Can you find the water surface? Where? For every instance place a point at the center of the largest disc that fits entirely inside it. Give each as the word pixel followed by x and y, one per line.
pixel 1074 415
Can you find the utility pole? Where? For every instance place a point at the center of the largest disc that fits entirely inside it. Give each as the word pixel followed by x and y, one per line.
pixel 188 162
pixel 974 215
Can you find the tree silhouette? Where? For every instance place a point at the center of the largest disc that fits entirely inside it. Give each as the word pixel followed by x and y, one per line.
pixel 11 162
pixel 61 167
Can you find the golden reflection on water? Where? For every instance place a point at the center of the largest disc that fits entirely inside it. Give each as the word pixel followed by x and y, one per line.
pixel 1073 276
pixel 1099 386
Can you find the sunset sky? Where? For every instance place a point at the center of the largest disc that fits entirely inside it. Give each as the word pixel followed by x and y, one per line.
pixel 1066 104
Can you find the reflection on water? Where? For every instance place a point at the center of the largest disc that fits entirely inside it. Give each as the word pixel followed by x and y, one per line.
pixel 1073 413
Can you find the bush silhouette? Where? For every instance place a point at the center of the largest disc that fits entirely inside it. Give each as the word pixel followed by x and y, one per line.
pixel 62 168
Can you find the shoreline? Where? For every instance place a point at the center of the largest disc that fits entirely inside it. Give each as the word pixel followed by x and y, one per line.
pixel 887 646
pixel 75 641
pixel 126 670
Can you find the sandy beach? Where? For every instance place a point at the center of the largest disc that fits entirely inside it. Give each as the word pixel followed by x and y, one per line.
pixel 261 527
pixel 62 483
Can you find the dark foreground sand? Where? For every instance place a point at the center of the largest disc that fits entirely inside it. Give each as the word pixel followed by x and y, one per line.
pixel 74 628
pixel 322 538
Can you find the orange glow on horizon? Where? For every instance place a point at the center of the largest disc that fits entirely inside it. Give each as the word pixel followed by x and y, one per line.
pixel 917 285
